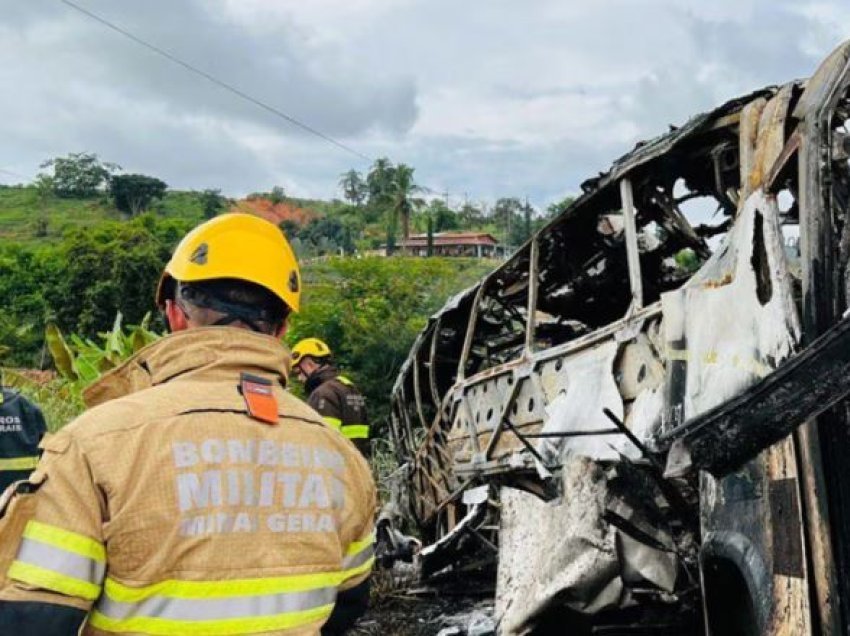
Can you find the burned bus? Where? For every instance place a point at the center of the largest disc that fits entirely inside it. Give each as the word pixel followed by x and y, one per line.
pixel 639 417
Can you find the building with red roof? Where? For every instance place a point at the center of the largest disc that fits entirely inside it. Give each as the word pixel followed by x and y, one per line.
pixel 475 244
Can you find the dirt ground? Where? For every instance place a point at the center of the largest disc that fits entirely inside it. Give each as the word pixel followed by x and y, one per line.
pixel 411 616
pixel 403 608
pixel 418 616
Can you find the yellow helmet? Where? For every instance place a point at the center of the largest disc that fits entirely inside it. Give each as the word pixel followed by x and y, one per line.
pixel 312 347
pixel 240 246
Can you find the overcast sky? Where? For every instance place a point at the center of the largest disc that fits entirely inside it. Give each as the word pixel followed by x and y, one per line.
pixel 486 98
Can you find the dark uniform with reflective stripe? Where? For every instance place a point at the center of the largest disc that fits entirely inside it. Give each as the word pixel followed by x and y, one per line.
pixel 341 405
pixel 21 428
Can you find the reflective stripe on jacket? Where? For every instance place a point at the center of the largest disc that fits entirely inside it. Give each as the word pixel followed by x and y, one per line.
pixel 21 428
pixel 340 404
pixel 170 511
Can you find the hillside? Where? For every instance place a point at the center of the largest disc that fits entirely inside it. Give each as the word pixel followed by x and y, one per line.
pixel 91 262
pixel 23 213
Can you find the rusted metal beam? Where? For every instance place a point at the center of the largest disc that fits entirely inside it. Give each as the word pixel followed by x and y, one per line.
pixel 504 414
pixel 531 323
pixel 471 428
pixel 470 327
pixel 404 415
pixel 432 363
pixel 792 146
pixel 632 252
pixel 823 302
pixel 417 390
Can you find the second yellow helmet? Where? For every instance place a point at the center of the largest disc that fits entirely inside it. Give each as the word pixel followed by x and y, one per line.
pixel 312 347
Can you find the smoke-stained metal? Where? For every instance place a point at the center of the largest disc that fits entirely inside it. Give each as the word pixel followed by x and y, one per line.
pixel 695 291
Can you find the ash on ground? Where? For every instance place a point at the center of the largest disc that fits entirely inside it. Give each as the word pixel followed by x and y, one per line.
pixel 447 608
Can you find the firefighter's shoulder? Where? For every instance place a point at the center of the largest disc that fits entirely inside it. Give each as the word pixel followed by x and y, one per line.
pixel 121 414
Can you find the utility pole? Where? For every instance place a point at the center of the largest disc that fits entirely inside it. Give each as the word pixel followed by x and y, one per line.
pixel 509 214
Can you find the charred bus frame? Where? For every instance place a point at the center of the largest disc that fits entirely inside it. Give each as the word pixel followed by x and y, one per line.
pixel 713 346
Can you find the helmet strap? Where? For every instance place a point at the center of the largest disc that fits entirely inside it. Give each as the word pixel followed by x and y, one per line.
pixel 232 312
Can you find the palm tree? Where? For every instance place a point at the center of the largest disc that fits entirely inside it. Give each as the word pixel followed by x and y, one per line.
pixel 403 199
pixel 353 187
pixel 379 181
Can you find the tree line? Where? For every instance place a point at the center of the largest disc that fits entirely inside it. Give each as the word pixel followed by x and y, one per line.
pixel 82 282
pixel 389 192
pixel 377 209
pixel 81 279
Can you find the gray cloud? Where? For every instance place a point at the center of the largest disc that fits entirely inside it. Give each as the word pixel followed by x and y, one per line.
pixel 277 66
pixel 724 58
pixel 493 100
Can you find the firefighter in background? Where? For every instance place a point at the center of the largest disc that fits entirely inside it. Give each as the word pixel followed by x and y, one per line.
pixel 332 394
pixel 21 429
pixel 198 496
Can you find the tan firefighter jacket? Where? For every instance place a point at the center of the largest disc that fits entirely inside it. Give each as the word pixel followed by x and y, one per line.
pixel 167 509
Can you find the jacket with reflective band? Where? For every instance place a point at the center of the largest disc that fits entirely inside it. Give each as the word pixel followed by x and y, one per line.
pixel 21 428
pixel 166 509
pixel 340 404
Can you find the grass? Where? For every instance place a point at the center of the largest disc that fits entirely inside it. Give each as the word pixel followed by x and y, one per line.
pixel 22 212
pixel 59 400
pixel 33 221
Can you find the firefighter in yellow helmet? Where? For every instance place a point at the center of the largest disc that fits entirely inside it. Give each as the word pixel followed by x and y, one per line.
pixel 196 496
pixel 332 394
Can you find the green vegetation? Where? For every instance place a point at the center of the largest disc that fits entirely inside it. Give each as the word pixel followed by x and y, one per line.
pixel 59 400
pixel 22 207
pixel 134 193
pixel 75 252
pixel 82 281
pixel 78 362
pixel 78 175
pixel 379 208
pixel 369 311
pixel 82 361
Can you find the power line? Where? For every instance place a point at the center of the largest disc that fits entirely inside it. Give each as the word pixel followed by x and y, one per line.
pixel 214 80
pixel 224 85
pixel 13 174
